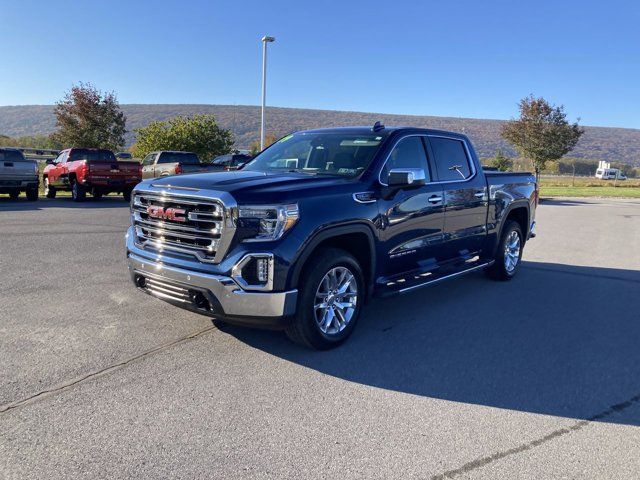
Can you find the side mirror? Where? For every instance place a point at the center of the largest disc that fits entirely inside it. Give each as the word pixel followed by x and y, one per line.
pixel 406 177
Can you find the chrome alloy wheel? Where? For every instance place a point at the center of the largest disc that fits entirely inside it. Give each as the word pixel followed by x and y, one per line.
pixel 512 252
pixel 336 299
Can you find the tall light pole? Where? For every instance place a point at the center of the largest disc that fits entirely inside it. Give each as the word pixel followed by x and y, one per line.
pixel 266 39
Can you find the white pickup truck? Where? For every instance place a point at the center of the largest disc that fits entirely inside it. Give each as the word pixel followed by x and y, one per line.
pixel 17 174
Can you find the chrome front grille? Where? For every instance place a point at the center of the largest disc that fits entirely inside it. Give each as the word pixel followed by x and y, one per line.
pixel 180 225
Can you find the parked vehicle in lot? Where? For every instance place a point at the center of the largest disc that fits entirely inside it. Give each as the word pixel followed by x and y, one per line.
pixel 90 170
pixel 610 174
pixel 164 163
pixel 17 174
pixel 231 161
pixel 321 221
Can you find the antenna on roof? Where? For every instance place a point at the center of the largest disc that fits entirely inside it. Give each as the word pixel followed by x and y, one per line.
pixel 377 126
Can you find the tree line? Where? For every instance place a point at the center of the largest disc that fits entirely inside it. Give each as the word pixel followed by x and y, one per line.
pixel 87 117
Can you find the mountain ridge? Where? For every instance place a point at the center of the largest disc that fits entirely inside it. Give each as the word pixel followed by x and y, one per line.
pixel 599 143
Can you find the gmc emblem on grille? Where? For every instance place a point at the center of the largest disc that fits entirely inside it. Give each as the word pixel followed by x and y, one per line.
pixel 174 214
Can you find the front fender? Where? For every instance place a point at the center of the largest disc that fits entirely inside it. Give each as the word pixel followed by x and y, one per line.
pixel 308 247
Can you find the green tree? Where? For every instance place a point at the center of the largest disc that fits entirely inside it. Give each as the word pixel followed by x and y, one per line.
pixel 86 117
pixel 542 132
pixel 501 161
pixel 30 141
pixel 199 134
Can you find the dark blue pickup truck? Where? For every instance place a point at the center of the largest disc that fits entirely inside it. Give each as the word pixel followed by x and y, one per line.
pixel 323 220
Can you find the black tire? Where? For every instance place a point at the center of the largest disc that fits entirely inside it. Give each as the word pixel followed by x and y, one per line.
pixel 502 269
pixel 78 193
pixel 14 194
pixel 49 191
pixel 304 328
pixel 32 194
pixel 126 195
pixel 96 194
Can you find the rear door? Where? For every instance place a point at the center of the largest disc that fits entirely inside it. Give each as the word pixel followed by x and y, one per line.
pixel 412 218
pixel 465 196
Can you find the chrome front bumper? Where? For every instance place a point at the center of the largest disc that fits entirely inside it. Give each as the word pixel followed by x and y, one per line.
pixel 232 299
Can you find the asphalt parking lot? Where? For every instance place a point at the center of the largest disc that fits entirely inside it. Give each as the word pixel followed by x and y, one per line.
pixel 535 378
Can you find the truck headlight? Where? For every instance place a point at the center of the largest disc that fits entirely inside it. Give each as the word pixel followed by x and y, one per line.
pixel 267 222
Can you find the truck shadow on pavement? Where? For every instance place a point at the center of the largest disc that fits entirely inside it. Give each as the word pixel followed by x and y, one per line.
pixel 8 205
pixel 558 340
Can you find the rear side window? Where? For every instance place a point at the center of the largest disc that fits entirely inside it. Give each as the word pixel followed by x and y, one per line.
pixel 451 159
pixel 11 156
pixel 178 157
pixel 408 153
pixel 92 155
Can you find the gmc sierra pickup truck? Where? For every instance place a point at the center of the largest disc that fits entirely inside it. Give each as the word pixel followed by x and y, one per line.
pixel 17 174
pixel 90 170
pixel 323 220
pixel 165 163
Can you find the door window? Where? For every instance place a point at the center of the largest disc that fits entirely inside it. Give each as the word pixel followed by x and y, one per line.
pixel 451 159
pixel 408 153
pixel 148 160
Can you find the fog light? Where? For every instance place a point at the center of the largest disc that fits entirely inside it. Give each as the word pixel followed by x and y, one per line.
pixel 262 269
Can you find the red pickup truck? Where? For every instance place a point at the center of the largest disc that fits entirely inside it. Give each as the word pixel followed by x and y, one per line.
pixel 90 170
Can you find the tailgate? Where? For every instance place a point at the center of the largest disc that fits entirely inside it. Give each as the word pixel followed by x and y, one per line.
pixel 114 170
pixel 17 169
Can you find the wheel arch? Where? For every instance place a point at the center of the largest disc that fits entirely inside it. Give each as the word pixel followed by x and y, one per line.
pixel 519 212
pixel 356 239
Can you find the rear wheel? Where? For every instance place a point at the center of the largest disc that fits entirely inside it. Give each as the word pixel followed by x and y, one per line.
pixel 509 253
pixel 14 194
pixel 330 301
pixel 49 191
pixel 78 193
pixel 32 194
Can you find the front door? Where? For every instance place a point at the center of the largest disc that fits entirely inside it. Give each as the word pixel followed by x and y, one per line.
pixel 56 173
pixel 412 219
pixel 148 167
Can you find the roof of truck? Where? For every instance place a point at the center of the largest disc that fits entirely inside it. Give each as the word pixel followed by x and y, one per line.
pixel 383 130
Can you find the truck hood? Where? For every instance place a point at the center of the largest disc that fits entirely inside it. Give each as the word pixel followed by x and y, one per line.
pixel 252 186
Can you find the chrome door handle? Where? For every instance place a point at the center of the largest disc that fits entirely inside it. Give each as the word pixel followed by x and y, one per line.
pixel 435 199
pixel 479 194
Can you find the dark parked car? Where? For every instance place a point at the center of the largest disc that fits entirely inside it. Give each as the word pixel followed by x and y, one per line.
pixel 231 161
pixel 321 221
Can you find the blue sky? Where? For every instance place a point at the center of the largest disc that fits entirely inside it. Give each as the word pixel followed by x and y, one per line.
pixel 451 58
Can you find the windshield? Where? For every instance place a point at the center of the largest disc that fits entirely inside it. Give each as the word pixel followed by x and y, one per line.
pixel 321 153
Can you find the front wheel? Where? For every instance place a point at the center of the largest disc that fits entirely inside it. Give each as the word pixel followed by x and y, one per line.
pixel 49 191
pixel 509 253
pixel 330 300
